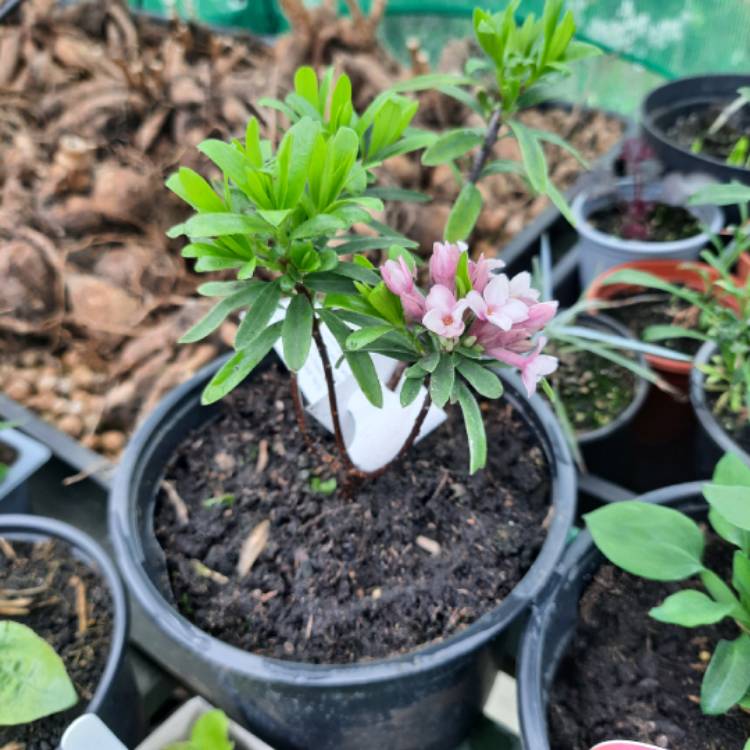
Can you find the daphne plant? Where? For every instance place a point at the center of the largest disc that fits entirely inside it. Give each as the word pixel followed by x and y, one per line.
pixel 663 544
pixel 33 680
pixel 520 63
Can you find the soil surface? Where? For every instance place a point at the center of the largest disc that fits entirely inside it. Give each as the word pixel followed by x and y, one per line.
pixel 55 577
pixel 737 425
pixel 688 128
pixel 628 676
pixel 594 390
pixel 418 555
pixel 659 308
pixel 661 222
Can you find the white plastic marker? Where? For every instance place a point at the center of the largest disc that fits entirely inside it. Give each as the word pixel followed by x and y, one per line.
pixel 87 732
pixel 624 745
pixel 372 436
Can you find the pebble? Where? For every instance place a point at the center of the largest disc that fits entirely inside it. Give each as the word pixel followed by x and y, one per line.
pixel 112 441
pixel 71 424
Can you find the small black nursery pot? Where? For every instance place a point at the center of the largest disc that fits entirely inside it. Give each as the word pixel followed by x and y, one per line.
pixel 698 98
pixel 115 699
pixel 713 439
pixel 23 457
pixel 552 622
pixel 423 700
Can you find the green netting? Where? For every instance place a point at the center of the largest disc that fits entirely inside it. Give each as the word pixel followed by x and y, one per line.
pixel 668 38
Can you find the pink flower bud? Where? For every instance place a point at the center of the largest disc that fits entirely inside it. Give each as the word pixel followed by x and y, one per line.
pixel 397 276
pixel 444 262
pixel 481 272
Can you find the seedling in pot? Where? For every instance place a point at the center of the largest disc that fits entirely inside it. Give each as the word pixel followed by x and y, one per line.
pixel 210 732
pixel 739 156
pixel 662 544
pixel 521 63
pixel 33 680
pixel 286 212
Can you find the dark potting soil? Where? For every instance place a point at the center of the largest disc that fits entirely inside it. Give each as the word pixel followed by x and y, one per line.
pixel 658 308
pixel 418 554
pixel 737 425
pixel 661 223
pixel 627 676
pixel 594 390
pixel 51 573
pixel 686 129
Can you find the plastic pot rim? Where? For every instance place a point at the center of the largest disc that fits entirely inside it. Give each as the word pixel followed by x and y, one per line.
pixel 272 670
pixel 31 456
pixel 704 412
pixel 648 109
pixel 588 231
pixel 40 526
pixel 529 683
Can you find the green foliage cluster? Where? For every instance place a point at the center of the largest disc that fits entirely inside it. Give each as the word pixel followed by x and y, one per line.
pixel 210 732
pixel 663 544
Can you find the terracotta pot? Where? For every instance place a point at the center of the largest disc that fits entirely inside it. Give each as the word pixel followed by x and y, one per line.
pixel 672 271
pixel 743 266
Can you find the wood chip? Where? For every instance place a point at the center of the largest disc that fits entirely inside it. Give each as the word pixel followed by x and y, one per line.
pixel 177 503
pixel 260 466
pixel 428 545
pixel 81 604
pixel 253 546
pixel 7 549
pixel 205 572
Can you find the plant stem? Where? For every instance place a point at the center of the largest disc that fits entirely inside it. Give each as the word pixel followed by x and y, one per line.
pixel 332 400
pixel 490 138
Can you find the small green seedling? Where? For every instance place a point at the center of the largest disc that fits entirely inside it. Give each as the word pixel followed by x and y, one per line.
pixel 210 732
pixel 323 486
pixel 226 500
pixel 662 544
pixel 33 679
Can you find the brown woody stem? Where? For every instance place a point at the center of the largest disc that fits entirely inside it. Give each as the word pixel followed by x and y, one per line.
pixel 490 138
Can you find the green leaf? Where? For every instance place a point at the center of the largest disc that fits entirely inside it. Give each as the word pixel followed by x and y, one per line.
pixel 560 203
pixel 296 333
pixel 451 145
pixel 365 336
pixel 33 679
pixel 474 427
pixel 441 381
pixel 733 193
pixel 258 316
pixel 482 380
pixel 731 502
pixel 216 225
pixel 724 529
pixel 360 363
pixel 195 191
pixel 690 609
pixel 323 486
pixel 430 361
pixel 219 312
pixel 464 214
pixel 557 140
pixel 229 159
pixel 741 576
pixel 727 678
pixel 662 332
pixel 240 365
pixel 398 194
pixel 732 470
pixel 410 390
pixel 503 166
pixel 318 226
pixel 532 155
pixel 648 540
pixel 226 500
pixel 463 280
pixel 210 732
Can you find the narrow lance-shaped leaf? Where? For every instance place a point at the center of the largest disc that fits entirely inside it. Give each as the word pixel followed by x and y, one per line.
pixel 452 145
pixel 296 333
pixel 690 609
pixel 727 678
pixel 464 214
pixel 474 427
pixel 258 316
pixel 219 312
pixel 409 390
pixel 532 155
pixel 441 381
pixel 482 380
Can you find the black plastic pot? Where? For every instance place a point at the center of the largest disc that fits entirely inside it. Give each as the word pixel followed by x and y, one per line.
pixel 425 700
pixel 29 456
pixel 609 451
pixel 665 104
pixel 116 699
pixel 713 440
pixel 552 623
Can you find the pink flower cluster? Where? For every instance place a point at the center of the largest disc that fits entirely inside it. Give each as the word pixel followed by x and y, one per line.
pixel 502 314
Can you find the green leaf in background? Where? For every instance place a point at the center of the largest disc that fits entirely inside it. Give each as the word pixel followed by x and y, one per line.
pixel 648 540
pixel 464 214
pixel 258 316
pixel 33 679
pixel 296 332
pixel 731 194
pixel 727 678
pixel 732 470
pixel 731 502
pixel 691 609
pixel 240 365
pixel 210 732
pixel 451 145
pixel 474 427
pixel 532 154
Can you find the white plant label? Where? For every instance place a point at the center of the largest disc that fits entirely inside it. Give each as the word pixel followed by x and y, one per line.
pixel 372 436
pixel 87 732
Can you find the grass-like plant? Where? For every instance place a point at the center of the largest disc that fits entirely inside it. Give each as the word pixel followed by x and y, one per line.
pixel 663 544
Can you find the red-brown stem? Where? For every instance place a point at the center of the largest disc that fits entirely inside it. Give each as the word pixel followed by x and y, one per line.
pixel 332 400
pixel 299 410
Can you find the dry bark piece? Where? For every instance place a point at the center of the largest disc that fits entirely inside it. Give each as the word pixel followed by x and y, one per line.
pixel 101 306
pixel 252 547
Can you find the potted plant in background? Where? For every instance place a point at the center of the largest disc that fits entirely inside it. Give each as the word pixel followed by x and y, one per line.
pixel 20 457
pixel 639 218
pixel 677 116
pixel 275 539
pixel 63 635
pixel 602 658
